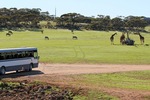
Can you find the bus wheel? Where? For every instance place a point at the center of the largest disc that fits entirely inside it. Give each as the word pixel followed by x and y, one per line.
pixel 2 71
pixel 30 67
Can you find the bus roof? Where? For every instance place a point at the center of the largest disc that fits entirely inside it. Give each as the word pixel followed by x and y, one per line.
pixel 17 49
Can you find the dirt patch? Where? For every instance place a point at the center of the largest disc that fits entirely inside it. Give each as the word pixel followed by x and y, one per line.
pixel 66 69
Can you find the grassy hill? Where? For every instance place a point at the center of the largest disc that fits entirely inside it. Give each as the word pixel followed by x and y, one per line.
pixel 90 47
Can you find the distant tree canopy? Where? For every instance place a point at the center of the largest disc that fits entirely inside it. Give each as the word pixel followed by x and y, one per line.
pixel 21 18
pixel 29 18
pixel 102 23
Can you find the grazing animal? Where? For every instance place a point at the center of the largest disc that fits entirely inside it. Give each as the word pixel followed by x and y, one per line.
pixel 42 31
pixel 8 34
pixel 141 38
pixel 112 38
pixel 74 37
pixel 122 38
pixel 72 31
pixel 46 38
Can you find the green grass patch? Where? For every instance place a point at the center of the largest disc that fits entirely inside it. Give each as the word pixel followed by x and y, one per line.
pixel 8 85
pixel 147 28
pixel 139 80
pixel 93 95
pixel 91 46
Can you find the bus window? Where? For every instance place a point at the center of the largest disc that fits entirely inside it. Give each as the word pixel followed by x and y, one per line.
pixel 23 54
pixel 31 54
pixel 1 57
pixel 19 55
pixel 8 55
pixel 16 55
pixel 26 54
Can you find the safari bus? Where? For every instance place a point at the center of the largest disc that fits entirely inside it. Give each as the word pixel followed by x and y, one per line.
pixel 18 59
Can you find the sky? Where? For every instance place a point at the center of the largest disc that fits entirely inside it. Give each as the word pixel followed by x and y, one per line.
pixel 113 8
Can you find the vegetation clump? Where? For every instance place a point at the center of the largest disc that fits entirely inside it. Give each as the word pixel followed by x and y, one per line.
pixel 27 91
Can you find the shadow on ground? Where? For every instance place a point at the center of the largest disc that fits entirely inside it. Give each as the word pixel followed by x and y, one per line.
pixel 20 74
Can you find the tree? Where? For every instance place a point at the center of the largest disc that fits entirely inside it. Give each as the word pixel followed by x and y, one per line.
pixel 69 20
pixel 134 22
pixel 101 23
pixel 117 23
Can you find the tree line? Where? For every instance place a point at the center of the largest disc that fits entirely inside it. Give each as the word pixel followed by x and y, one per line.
pixel 101 22
pixel 14 18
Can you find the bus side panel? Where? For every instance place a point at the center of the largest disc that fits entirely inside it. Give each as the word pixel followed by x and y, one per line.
pixel 16 64
pixel 35 65
pixel 34 62
pixel 17 67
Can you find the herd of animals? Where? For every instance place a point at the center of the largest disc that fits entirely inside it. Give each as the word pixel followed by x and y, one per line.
pixel 9 33
pixel 123 39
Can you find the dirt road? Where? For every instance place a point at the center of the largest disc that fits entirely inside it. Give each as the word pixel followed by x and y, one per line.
pixel 64 69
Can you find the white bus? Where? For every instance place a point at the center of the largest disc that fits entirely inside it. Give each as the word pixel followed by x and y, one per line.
pixel 18 59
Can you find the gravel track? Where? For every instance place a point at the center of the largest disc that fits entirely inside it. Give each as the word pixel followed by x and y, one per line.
pixel 66 69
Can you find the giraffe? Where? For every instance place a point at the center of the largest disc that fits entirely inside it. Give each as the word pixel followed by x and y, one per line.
pixel 112 38
pixel 141 38
pixel 122 38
